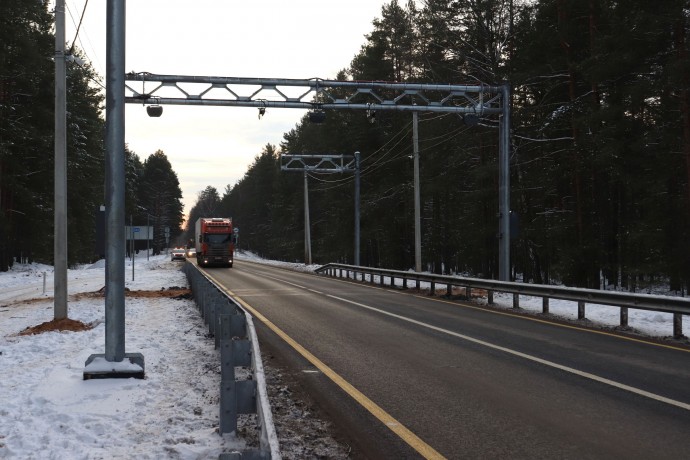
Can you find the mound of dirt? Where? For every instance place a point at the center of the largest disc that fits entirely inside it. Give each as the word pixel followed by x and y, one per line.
pixel 174 292
pixel 67 324
pixel 64 324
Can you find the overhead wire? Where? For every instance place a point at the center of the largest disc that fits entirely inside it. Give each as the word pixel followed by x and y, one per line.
pixel 81 19
pixel 379 162
pixel 78 36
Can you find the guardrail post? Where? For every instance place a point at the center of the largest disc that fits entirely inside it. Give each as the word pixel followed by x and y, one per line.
pixel 228 403
pixel 677 326
pixel 545 305
pixel 419 284
pixel 432 289
pixel 200 294
pixel 235 397
pixel 228 394
pixel 223 313
pixel 392 281
pixel 235 332
pixel 204 303
pixel 381 279
pixel 468 292
pixel 516 301
pixel 449 289
pixel 490 297
pixel 624 317
pixel 404 282
pixel 212 309
pixel 580 310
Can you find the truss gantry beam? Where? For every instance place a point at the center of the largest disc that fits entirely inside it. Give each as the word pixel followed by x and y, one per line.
pixel 311 94
pixel 318 94
pixel 318 163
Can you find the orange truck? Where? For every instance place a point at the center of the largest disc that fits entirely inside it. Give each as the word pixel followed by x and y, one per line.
pixel 214 241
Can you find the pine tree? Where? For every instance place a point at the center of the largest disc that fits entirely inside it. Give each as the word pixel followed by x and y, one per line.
pixel 160 194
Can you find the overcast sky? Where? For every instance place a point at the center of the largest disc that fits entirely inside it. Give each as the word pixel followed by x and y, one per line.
pixel 259 38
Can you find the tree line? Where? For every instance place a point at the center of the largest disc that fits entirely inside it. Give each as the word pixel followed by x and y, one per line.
pixel 600 154
pixel 27 149
pixel 599 165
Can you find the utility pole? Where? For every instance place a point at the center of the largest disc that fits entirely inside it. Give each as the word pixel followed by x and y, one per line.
pixel 60 218
pixel 504 187
pixel 357 187
pixel 417 200
pixel 307 225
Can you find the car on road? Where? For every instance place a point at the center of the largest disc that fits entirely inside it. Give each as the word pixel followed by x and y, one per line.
pixel 191 252
pixel 177 254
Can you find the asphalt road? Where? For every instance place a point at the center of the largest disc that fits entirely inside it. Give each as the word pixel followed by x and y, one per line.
pixel 409 376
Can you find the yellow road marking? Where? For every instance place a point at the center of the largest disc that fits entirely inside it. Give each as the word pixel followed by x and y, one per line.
pixel 587 375
pixel 405 434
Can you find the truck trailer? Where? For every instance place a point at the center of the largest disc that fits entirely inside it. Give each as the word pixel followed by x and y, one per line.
pixel 214 241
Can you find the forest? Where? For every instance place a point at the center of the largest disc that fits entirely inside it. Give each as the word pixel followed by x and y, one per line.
pixel 27 107
pixel 599 160
pixel 600 154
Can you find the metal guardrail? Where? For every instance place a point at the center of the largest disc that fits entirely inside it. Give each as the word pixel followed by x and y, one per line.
pixel 679 306
pixel 233 331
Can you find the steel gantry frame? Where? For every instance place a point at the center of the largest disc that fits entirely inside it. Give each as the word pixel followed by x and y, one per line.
pixel 323 164
pixel 317 94
pixel 223 91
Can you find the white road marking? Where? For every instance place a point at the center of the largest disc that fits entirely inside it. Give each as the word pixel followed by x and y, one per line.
pixel 545 362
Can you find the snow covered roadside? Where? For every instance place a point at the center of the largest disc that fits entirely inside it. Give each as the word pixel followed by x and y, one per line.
pixel 643 322
pixel 47 410
pixel 648 323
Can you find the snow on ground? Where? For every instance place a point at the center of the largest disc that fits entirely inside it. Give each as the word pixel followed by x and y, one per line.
pixel 653 324
pixel 647 323
pixel 47 410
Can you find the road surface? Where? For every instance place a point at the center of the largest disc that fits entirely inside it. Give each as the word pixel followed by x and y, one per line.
pixel 409 376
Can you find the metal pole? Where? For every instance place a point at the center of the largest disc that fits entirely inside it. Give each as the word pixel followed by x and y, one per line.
pixel 357 185
pixel 307 231
pixel 60 218
pixel 131 243
pixel 115 181
pixel 148 235
pixel 504 188
pixel 417 212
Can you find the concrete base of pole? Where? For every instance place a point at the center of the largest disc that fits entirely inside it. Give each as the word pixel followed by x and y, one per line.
pixel 97 367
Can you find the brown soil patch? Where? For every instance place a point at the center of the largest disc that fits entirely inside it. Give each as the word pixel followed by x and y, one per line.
pixel 171 293
pixel 67 324
pixel 64 324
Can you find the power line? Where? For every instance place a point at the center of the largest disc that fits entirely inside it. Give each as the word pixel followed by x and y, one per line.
pixel 78 36
pixel 78 26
